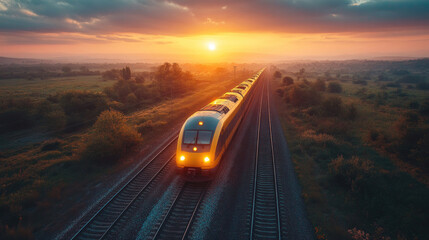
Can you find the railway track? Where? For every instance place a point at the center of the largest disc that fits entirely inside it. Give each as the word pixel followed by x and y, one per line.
pixel 177 222
pixel 265 218
pixel 103 221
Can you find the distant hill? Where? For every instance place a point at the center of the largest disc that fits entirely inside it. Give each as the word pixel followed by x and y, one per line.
pixel 6 60
pixel 394 58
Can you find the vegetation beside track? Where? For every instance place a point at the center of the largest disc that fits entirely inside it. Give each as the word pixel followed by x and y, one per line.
pixel 360 151
pixel 39 178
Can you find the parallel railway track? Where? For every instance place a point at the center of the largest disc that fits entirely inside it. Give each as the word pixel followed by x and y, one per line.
pixel 103 221
pixel 177 222
pixel 265 214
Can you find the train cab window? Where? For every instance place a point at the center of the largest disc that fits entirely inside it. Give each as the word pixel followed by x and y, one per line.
pixel 189 137
pixel 204 137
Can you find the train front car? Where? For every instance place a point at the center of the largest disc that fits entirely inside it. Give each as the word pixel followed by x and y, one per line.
pixel 194 148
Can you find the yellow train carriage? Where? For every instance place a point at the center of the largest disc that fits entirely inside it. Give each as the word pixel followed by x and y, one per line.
pixel 206 134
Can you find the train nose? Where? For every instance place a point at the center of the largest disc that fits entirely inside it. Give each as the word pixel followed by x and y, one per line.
pixel 191 159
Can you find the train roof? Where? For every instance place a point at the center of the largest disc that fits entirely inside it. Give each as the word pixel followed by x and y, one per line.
pixel 230 97
pixel 210 120
pixel 208 117
pixel 238 95
pixel 239 91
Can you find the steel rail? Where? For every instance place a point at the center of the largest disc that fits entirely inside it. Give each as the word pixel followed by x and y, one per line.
pixel 85 227
pixel 258 191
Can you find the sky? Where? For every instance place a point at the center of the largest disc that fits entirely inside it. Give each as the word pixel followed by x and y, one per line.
pixel 213 30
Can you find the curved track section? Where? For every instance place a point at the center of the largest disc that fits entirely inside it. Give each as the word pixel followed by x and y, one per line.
pixel 177 221
pixel 107 217
pixel 265 219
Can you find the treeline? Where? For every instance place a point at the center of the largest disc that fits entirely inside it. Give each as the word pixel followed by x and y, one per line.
pixel 359 66
pixel 33 72
pixel 48 70
pixel 410 74
pixel 132 90
pixel 69 110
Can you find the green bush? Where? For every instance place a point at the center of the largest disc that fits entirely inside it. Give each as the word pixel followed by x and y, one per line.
pixel 111 138
pixel 149 125
pixel 348 171
pixel 351 112
pixel 334 87
pixel 16 119
pixel 422 86
pixel 55 120
pixel 82 107
pixel 332 106
pixel 49 145
pixel 16 233
pixel 287 81
pixel 424 107
pixel 319 85
pixel 334 126
pixel 413 105
pixel 280 92
pixel 302 96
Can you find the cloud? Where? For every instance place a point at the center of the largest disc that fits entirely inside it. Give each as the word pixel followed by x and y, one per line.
pixel 183 17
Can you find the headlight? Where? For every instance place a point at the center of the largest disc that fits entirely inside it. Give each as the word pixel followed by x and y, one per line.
pixel 182 158
pixel 206 159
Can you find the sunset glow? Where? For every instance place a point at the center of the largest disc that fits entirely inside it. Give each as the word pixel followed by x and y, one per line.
pixel 211 46
pixel 184 30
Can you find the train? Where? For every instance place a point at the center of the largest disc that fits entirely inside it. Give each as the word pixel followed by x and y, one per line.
pixel 206 134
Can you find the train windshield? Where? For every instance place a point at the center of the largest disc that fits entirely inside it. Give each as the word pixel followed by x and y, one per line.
pixel 204 137
pixel 189 137
pixel 197 137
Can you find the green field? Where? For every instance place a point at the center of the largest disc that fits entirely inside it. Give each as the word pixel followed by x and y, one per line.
pixel 362 174
pixel 41 88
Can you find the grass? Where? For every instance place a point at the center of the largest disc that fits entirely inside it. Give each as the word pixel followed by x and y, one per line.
pixel 38 178
pixel 39 88
pixel 352 188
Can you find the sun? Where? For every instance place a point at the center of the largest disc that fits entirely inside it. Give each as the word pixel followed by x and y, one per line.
pixel 211 46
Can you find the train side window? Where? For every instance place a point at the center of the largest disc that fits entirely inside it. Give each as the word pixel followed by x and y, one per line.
pixel 189 137
pixel 225 110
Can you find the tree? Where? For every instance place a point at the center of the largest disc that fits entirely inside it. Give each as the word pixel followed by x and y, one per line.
pixel 302 96
pixel 301 73
pixel 319 85
pixel 277 74
pixel 332 106
pixel 111 74
pixel 287 81
pixel 126 73
pixel 334 87
pixel 84 69
pixel 66 69
pixel 111 138
pixel 81 106
pixel 171 79
pixel 140 79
